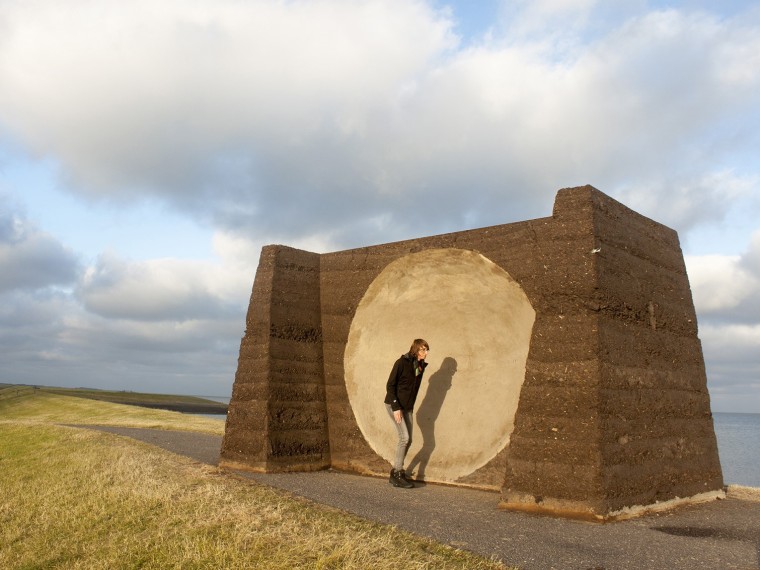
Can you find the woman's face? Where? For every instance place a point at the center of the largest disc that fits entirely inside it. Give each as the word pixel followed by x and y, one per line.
pixel 422 353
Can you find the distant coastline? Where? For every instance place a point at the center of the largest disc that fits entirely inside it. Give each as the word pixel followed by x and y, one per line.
pixel 210 408
pixel 171 402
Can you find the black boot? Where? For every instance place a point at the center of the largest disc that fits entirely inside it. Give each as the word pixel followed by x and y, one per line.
pixel 402 473
pixel 397 480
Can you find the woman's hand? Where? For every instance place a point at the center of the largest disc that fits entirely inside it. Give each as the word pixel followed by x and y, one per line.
pixel 397 416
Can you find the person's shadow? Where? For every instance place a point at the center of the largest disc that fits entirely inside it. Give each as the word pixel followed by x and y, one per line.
pixel 427 414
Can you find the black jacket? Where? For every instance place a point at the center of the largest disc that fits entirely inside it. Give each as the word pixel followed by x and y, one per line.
pixel 402 387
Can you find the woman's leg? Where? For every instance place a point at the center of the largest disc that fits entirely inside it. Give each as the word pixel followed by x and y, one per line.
pixel 409 421
pixel 404 437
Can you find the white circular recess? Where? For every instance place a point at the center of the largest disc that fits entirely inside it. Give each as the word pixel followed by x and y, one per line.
pixel 478 322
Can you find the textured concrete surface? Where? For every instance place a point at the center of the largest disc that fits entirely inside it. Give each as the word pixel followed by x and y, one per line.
pixel 478 322
pixel 613 410
pixel 721 535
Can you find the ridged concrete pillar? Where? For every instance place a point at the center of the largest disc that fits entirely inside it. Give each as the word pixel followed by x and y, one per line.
pixel 277 419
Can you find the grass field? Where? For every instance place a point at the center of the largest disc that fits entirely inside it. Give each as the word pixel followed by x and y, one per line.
pixel 77 498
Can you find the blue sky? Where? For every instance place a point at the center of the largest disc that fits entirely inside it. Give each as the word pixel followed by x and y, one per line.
pixel 149 149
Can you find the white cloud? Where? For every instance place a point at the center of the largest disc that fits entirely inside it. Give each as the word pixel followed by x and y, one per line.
pixel 727 288
pixel 732 356
pixel 688 203
pixel 719 283
pixel 200 81
pixel 30 258
pixel 162 289
pixel 732 342
pixel 750 261
pixel 726 292
pixel 548 22
pixel 306 118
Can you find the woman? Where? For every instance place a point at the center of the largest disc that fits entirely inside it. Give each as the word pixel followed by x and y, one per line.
pixel 400 395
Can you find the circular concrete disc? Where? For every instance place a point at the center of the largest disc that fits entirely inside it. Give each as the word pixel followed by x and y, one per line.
pixel 478 322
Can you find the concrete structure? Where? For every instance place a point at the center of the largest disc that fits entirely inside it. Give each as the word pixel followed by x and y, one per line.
pixel 565 369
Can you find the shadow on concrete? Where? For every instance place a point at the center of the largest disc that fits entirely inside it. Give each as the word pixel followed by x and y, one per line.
pixel 746 535
pixel 427 414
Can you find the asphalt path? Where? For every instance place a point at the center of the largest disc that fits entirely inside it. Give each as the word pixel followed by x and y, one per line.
pixel 720 535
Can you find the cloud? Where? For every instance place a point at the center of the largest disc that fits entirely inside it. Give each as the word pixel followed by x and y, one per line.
pixel 118 323
pixel 168 289
pixel 334 118
pixel 726 292
pixel 49 339
pixel 548 22
pixel 336 123
pixel 688 203
pixel 733 366
pixel 719 283
pixel 727 288
pixel 30 322
pixel 161 325
pixel 153 325
pixel 154 290
pixel 190 356
pixel 30 258
pixel 186 92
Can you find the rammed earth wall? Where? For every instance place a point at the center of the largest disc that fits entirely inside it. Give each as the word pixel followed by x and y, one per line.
pixel 611 411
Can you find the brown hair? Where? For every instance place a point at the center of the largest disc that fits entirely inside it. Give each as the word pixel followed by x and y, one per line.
pixel 417 345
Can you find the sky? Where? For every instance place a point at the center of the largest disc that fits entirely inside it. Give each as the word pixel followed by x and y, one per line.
pixel 149 149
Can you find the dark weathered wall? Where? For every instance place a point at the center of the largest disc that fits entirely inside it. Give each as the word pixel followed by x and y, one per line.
pixel 277 418
pixel 657 433
pixel 554 455
pixel 613 412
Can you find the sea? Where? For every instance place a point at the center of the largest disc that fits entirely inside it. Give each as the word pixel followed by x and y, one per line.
pixel 222 399
pixel 738 445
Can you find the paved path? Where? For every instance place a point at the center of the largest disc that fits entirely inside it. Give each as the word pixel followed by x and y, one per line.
pixel 718 535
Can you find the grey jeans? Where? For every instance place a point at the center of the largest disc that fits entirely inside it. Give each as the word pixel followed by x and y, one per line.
pixel 404 430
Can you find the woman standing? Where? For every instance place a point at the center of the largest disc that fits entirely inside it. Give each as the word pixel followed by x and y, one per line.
pixel 400 395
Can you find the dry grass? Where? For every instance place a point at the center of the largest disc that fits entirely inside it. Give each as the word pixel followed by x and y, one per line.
pixel 75 498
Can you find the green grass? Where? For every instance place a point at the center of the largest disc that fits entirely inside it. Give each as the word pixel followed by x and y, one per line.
pixel 76 498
